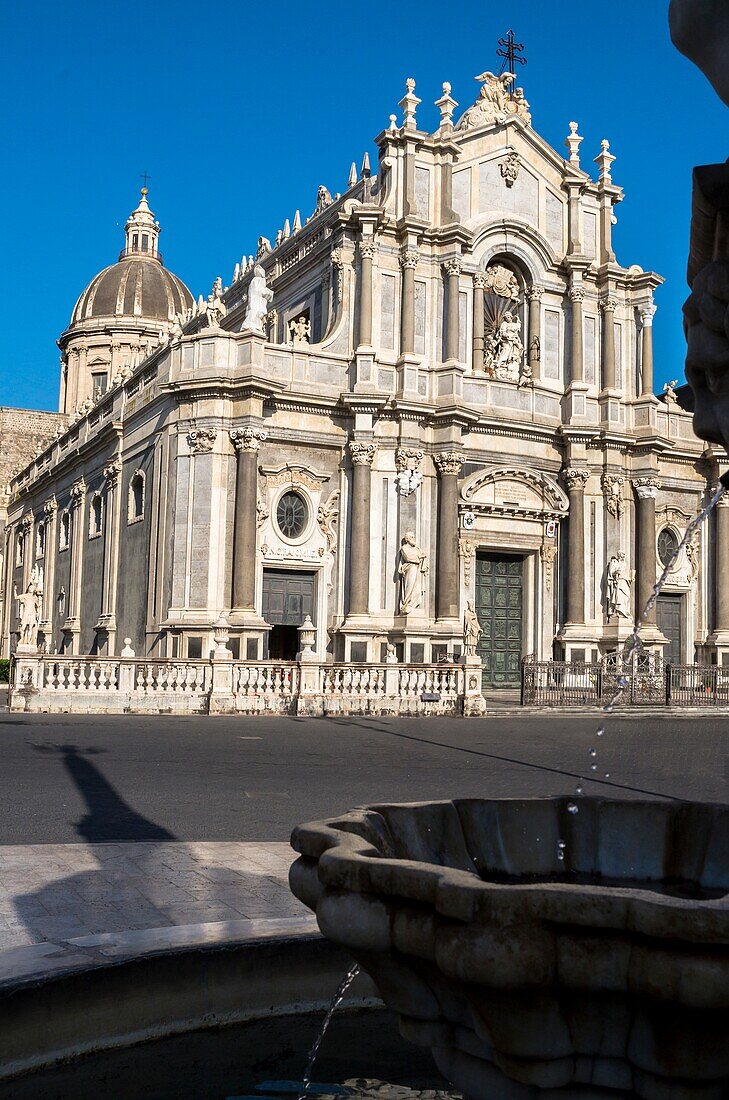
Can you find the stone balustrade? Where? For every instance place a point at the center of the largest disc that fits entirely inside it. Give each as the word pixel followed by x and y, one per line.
pixel 220 685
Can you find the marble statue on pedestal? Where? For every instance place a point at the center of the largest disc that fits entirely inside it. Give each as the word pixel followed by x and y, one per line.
pixel 471 630
pixel 259 299
pixel 504 351
pixel 215 307
pixel 413 566
pixel 29 610
pixel 300 330
pixel 618 588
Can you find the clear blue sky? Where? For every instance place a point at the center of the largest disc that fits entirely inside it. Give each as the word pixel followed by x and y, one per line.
pixel 239 110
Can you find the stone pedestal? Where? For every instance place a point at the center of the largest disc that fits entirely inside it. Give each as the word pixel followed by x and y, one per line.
pixel 26 678
pixel 473 701
pixel 222 700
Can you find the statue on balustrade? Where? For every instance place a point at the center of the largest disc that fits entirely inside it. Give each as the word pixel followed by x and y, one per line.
pixel 618 588
pixel 412 568
pixel 259 298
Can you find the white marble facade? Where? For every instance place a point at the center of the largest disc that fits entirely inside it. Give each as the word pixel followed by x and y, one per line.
pixel 450 348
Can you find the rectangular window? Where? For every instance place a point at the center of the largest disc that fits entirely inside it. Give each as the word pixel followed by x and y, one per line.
pixel 387 312
pixel 98 385
pixel 145 242
pixel 194 648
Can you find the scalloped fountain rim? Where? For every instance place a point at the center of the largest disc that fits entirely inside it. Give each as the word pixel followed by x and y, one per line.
pixel 479 860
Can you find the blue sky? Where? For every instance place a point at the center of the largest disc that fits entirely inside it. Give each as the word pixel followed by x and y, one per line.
pixel 238 112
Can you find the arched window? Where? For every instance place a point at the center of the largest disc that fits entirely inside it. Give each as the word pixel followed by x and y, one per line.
pixel 64 536
pixel 136 497
pixel 96 515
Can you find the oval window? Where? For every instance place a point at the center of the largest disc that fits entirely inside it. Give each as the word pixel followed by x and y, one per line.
pixel 291 515
pixel 667 546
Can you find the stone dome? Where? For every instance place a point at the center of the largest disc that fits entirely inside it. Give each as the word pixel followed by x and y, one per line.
pixel 138 285
pixel 135 286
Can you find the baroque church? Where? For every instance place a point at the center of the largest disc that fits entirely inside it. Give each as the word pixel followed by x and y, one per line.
pixel 431 397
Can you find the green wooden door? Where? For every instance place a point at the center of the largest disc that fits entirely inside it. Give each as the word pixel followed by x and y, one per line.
pixel 499 584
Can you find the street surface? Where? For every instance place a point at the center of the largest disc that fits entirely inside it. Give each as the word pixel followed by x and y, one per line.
pixel 93 779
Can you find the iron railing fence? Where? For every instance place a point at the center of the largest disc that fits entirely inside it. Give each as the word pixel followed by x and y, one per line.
pixel 650 683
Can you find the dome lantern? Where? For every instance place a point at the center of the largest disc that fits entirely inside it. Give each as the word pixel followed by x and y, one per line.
pixel 142 232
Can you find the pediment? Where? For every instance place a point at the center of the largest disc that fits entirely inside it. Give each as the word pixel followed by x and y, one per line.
pixel 515 490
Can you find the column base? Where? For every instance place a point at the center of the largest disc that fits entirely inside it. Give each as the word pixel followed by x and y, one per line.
pixel 246 624
pixel 574 402
pixel 364 364
pixel 717 645
pixel 611 408
pixel 578 642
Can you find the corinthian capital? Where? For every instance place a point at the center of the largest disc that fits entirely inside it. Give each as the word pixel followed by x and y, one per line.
pixel 646 487
pixel 362 454
pixel 608 303
pixel 647 313
pixel 576 292
pixel 449 462
pixel 247 439
pixel 453 267
pixel 368 248
pixel 111 473
pixel 535 292
pixel 409 257
pixel 575 478
pixel 201 440
pixel 479 280
pixel 78 492
pixel 50 506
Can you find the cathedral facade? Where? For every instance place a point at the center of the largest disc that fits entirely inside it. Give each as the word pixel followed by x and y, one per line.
pixel 432 398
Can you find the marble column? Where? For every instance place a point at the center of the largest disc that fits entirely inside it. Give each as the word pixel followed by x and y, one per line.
pixel 575 479
pixel 112 473
pixel 608 305
pixel 721 572
pixel 362 455
pixel 408 262
pixel 367 250
pixel 447 587
pixel 534 352
pixel 646 341
pixel 78 539
pixel 50 512
pixel 453 271
pixel 479 282
pixel 646 489
pixel 247 442
pixel 576 296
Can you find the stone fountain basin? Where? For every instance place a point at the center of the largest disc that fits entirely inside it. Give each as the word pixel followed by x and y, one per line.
pixel 605 973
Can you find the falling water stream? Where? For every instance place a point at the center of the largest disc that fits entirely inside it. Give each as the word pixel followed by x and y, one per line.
pixel 334 1005
pixel 634 644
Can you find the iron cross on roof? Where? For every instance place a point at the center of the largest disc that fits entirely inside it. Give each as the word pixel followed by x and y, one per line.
pixel 510 50
pixel 145 176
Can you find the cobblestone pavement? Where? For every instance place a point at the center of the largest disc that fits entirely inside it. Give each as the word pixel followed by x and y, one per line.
pixel 59 891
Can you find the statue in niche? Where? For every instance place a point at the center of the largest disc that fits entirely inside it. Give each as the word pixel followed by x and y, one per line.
pixel 504 351
pixel 618 588
pixel 29 611
pixel 300 330
pixel 471 630
pixel 259 297
pixel 412 568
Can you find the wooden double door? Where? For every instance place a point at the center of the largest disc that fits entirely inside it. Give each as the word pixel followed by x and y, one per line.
pixel 499 606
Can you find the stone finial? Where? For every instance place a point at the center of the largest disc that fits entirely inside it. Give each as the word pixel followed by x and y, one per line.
pixel 127 651
pixel 352 175
pixel 286 229
pixel 446 105
pixel 573 142
pixel 393 124
pixel 409 104
pixel 604 160
pixel 365 171
pixel 236 273
pixel 297 222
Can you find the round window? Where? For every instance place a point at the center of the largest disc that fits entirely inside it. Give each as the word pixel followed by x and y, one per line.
pixel 667 546
pixel 291 515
